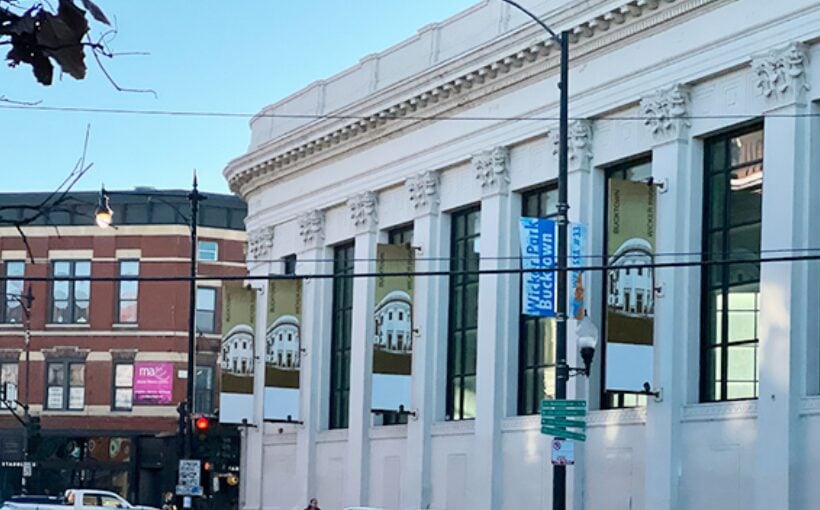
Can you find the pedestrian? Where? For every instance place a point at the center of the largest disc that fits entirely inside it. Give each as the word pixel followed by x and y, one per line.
pixel 313 505
pixel 168 502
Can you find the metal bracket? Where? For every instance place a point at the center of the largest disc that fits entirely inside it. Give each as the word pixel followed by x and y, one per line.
pixel 661 184
pixel 658 290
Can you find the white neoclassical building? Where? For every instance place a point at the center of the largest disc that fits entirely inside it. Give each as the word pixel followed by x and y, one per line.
pixel 393 316
pixel 447 139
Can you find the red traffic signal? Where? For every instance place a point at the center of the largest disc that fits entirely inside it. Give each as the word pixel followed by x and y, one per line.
pixel 202 424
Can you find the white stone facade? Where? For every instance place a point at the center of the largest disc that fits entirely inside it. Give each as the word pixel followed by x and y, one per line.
pixel 650 78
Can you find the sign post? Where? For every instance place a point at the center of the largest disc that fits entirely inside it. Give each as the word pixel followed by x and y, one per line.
pixel 559 416
pixel 189 482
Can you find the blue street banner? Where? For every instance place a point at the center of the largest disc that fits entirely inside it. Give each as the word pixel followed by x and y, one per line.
pixel 577 243
pixel 539 248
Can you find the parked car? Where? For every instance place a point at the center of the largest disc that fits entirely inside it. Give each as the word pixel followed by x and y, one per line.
pixel 78 499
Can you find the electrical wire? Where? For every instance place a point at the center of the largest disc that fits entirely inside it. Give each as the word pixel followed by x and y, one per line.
pixel 378 116
pixel 388 274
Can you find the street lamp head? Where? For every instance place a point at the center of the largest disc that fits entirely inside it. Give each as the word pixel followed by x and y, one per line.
pixel 104 214
pixel 587 334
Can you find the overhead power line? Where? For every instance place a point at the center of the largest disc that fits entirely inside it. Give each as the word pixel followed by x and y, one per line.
pixel 388 274
pixel 378 116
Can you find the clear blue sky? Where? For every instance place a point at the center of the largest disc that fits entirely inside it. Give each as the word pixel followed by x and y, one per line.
pixel 204 55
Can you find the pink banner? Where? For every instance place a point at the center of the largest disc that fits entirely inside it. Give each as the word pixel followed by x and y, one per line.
pixel 153 383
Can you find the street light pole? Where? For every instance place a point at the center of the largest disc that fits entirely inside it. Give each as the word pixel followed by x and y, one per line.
pixel 194 197
pixel 104 217
pixel 562 369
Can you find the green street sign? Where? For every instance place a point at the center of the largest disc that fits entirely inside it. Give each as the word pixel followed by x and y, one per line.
pixel 563 412
pixel 566 434
pixel 564 423
pixel 548 404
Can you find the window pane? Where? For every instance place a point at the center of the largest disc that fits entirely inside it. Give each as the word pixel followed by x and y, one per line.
pixel 208 250
pixel 123 398
pixel 129 268
pixel 56 374
pixel 82 268
pixel 76 397
pixel 124 375
pixel 62 269
pixel 77 374
pixel 746 148
pixel 206 299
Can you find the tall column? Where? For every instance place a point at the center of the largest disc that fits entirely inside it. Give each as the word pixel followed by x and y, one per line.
pixel 496 324
pixel 428 315
pixel 675 311
pixel 315 336
pixel 782 82
pixel 260 243
pixel 363 211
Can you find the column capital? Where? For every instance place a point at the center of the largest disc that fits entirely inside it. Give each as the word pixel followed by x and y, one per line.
pixel 666 112
pixel 492 169
pixel 312 229
pixel 260 242
pixel 424 189
pixel 579 145
pixel 780 74
pixel 364 211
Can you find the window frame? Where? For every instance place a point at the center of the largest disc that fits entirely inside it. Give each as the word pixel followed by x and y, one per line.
pixel 705 383
pixel 524 408
pixel 341 336
pixel 455 286
pixel 66 385
pixel 115 387
pixel 199 250
pixel 289 264
pixel 4 291
pixel 213 328
pixel 119 298
pixel 199 391
pixel 397 235
pixel 72 286
pixel 623 400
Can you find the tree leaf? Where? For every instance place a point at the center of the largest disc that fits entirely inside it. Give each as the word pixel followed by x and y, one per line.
pixel 95 11
pixel 60 37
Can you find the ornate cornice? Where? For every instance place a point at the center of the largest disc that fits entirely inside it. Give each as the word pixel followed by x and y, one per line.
pixel 423 189
pixel 666 112
pixel 579 144
pixel 10 355
pixel 123 355
pixel 780 73
pixel 492 169
pixel 70 353
pixel 279 157
pixel 364 211
pixel 260 242
pixel 312 229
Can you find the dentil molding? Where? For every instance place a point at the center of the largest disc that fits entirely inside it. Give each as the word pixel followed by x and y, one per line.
pixel 423 189
pixel 780 73
pixel 364 211
pixel 666 112
pixel 312 228
pixel 492 169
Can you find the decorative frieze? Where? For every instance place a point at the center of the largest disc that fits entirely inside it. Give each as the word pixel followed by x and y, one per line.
pixel 260 242
pixel 492 169
pixel 666 112
pixel 364 211
pixel 780 73
pixel 579 144
pixel 312 228
pixel 424 191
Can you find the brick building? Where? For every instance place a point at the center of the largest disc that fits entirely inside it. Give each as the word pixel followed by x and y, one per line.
pixel 87 337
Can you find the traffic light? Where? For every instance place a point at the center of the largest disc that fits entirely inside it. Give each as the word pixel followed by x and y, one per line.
pixel 202 424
